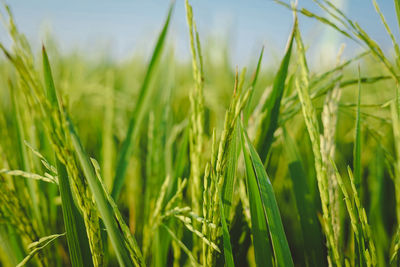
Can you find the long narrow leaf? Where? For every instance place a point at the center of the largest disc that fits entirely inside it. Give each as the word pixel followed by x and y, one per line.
pixel 226 238
pixel 132 246
pixel 229 181
pixel 269 205
pixel 102 203
pixel 71 219
pixel 253 84
pixel 271 107
pixel 312 235
pixel 397 6
pixel 78 243
pixel 138 112
pixel 259 228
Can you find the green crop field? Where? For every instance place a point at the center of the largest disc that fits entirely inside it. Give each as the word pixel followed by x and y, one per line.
pixel 161 162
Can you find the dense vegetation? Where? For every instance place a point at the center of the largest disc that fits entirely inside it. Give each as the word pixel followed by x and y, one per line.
pixel 163 163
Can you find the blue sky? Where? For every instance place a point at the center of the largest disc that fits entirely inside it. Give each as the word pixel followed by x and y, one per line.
pixel 125 26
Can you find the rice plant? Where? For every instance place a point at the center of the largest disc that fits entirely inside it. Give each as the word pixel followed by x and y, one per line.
pixel 200 163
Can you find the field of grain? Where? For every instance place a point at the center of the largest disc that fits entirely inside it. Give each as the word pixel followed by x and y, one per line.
pixel 161 162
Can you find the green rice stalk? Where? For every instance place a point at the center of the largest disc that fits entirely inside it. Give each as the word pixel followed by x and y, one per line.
pixel 36 246
pixel 129 239
pixel 350 210
pixel 309 14
pixel 370 254
pixel 44 105
pixel 155 218
pixel 46 178
pixel 396 134
pixel 354 32
pixel 329 121
pixel 389 31
pixel 43 160
pixel 105 208
pixel 319 78
pixel 394 252
pixel 310 118
pixel 177 249
pixel 84 197
pixel 219 162
pixel 10 241
pixel 292 107
pixel 397 7
pixel 395 107
pixel 188 223
pixel 206 202
pixel 181 245
pixel 196 97
pixel 16 214
pixel 32 185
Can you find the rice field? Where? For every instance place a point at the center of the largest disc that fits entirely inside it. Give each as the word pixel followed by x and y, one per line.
pixel 161 162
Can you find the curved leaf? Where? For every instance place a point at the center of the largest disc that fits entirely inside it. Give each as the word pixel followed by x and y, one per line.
pixel 265 208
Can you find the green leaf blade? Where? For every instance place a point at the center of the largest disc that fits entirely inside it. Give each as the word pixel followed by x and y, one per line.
pixel 229 181
pixel 269 123
pixel 138 112
pixel 397 7
pixel 78 244
pixel 259 228
pixel 48 78
pixel 71 219
pixel 280 245
pixel 312 234
pixel 247 112
pixel 102 203
pixel 226 238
